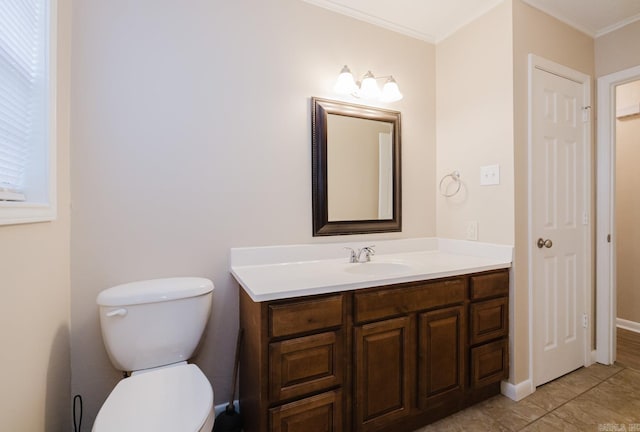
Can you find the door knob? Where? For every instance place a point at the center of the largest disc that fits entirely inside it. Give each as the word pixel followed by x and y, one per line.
pixel 544 243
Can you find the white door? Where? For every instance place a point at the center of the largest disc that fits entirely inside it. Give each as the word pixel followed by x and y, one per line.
pixel 559 225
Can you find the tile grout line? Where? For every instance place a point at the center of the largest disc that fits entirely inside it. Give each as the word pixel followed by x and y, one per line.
pixel 573 398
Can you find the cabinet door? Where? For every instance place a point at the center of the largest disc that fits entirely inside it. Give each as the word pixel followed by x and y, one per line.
pixel 489 320
pixel 382 373
pixel 489 363
pixel 300 316
pixel 305 365
pixel 321 413
pixel 489 285
pixel 440 356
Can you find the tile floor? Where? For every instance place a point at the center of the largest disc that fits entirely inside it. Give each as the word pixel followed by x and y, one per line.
pixel 628 348
pixel 597 398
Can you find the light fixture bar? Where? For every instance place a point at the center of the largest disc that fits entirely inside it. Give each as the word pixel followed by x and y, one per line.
pixel 367 88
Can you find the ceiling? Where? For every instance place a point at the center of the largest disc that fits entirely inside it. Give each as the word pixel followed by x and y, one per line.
pixel 435 20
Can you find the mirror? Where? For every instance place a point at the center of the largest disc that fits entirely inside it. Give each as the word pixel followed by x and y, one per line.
pixel 355 168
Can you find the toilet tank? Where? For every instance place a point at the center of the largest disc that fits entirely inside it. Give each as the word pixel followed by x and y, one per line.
pixel 154 323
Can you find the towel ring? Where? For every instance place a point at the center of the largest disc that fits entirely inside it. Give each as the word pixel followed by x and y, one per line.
pixel 455 177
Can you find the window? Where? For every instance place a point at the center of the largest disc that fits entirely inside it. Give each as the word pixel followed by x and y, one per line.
pixel 27 111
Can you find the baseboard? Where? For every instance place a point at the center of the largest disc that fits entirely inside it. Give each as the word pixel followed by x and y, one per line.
pixel 222 407
pixel 518 391
pixel 628 325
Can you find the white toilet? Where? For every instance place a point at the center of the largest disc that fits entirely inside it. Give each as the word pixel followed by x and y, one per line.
pixel 151 328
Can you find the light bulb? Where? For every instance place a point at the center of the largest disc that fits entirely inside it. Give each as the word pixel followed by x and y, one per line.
pixel 390 91
pixel 345 84
pixel 369 88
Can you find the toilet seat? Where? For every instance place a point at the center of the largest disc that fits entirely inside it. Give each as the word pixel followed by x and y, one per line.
pixel 172 399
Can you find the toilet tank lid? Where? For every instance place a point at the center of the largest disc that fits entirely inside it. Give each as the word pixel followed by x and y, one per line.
pixel 176 398
pixel 154 291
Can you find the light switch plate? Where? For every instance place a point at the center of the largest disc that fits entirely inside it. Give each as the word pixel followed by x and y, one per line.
pixel 490 175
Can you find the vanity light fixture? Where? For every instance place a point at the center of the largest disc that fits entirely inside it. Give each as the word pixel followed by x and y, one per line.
pixel 367 88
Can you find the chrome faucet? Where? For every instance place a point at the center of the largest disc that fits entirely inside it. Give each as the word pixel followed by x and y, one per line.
pixel 355 257
pixel 368 251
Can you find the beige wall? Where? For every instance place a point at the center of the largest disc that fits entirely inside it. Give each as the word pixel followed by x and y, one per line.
pixel 475 127
pixel 482 120
pixel 474 106
pixel 564 45
pixel 34 267
pixel 191 135
pixel 627 205
pixel 618 50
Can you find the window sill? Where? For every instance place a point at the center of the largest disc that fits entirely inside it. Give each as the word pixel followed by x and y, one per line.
pixel 12 213
pixel 9 195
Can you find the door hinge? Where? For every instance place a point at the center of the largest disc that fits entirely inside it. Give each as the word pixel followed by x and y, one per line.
pixel 586 114
pixel 585 320
pixel 585 219
pixel 608 238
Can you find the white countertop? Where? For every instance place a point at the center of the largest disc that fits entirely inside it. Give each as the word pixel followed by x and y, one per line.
pixel 277 272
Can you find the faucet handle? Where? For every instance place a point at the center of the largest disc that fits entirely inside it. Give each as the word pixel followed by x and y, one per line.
pixel 368 251
pixel 353 257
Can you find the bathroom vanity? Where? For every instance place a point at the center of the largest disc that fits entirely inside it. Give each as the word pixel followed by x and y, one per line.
pixel 389 347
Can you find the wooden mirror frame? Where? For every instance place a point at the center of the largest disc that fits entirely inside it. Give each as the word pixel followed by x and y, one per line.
pixel 320 109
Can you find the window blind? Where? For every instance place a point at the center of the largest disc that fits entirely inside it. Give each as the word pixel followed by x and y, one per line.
pixel 22 75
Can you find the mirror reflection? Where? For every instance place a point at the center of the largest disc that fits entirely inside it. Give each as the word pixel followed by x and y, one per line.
pixel 360 155
pixel 356 168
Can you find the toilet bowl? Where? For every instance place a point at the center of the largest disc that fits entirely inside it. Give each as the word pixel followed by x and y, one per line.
pixel 151 328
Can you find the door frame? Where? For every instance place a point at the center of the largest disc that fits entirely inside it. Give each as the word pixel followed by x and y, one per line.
pixel 605 198
pixel 536 62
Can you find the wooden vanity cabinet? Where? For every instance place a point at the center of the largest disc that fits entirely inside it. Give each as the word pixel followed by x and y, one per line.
pixel 390 358
pixel 292 365
pixel 409 342
pixel 489 330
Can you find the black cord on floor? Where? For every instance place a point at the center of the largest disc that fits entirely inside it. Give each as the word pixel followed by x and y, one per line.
pixel 77 426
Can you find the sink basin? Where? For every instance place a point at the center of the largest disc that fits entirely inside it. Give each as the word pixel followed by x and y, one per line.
pixel 378 268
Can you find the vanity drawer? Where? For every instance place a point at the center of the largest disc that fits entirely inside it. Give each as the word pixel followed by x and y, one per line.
pixel 305 365
pixel 304 316
pixel 489 285
pixel 489 363
pixel 489 320
pixel 376 304
pixel 322 412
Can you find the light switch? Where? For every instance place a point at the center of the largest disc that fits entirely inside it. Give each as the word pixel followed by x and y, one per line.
pixel 490 175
